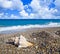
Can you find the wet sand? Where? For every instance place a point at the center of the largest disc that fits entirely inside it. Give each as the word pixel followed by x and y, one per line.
pixel 45 40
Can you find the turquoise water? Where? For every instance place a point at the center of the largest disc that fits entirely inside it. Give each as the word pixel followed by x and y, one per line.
pixel 15 22
pixel 15 25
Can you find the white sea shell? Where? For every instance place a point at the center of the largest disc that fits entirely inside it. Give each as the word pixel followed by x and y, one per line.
pixel 21 41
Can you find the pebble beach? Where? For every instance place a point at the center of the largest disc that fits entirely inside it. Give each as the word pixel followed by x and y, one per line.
pixel 45 41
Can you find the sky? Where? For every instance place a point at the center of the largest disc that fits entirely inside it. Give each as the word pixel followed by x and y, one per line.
pixel 29 9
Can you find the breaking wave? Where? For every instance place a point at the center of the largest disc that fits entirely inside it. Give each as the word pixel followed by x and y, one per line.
pixel 51 24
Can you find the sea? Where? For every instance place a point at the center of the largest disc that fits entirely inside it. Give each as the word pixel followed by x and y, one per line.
pixel 9 25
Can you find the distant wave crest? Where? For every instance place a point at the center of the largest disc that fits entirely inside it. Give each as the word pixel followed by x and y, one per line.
pixel 29 26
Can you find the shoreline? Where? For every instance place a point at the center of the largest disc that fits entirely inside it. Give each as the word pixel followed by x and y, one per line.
pixel 27 29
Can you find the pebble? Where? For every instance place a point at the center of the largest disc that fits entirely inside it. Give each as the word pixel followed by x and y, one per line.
pixel 34 38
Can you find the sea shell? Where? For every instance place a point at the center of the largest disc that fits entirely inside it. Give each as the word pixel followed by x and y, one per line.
pixel 23 42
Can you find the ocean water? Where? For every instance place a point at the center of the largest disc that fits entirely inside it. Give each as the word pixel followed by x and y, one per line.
pixel 16 24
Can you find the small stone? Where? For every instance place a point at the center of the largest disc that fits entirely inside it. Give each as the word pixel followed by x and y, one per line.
pixel 34 38
pixel 36 47
pixel 39 53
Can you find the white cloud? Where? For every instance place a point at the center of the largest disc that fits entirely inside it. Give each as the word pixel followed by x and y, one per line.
pixel 31 15
pixel 23 13
pixel 12 4
pixel 14 16
pixel 18 4
pixel 40 9
pixel 57 3
pixel 35 5
pixel 1 14
pixel 6 4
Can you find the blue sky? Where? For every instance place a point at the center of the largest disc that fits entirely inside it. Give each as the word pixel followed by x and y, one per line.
pixel 29 9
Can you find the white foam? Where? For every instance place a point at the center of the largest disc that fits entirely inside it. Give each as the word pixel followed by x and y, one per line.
pixel 29 26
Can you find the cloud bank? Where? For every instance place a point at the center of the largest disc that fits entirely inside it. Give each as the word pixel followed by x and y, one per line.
pixel 36 9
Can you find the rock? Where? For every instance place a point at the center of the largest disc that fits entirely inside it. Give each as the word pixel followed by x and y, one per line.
pixel 50 51
pixel 58 50
pixel 34 38
pixel 42 34
pixel 57 32
pixel 36 47
pixel 39 53
pixel 43 44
